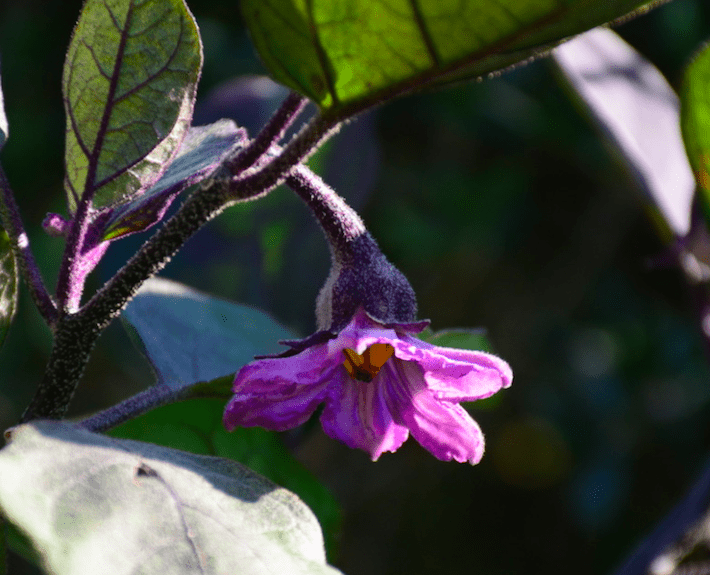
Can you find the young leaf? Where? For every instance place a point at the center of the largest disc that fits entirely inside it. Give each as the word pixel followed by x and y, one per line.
pixel 88 501
pixel 200 155
pixel 346 56
pixel 638 111
pixel 8 284
pixel 196 426
pixel 695 119
pixel 189 337
pixel 129 87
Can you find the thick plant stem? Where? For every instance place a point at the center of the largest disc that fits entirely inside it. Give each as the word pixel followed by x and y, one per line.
pixel 76 333
pixel 12 222
pixel 274 130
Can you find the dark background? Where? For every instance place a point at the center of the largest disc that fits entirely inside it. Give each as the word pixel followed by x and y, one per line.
pixel 505 210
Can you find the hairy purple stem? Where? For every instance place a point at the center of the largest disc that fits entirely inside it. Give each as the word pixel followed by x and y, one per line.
pixel 340 223
pixel 134 406
pixel 21 246
pixel 77 333
pixel 70 284
pixel 272 132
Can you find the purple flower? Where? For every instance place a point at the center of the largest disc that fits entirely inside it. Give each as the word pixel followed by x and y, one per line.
pixel 374 396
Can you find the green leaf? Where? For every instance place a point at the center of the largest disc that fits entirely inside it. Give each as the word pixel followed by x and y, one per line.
pixel 473 339
pixel 8 284
pixel 87 501
pixel 129 85
pixel 196 426
pixel 695 119
pixel 347 56
pixel 190 337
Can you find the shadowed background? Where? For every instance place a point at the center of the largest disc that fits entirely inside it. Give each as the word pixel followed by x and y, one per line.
pixel 505 210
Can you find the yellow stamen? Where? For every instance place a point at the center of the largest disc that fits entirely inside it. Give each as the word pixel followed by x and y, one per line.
pixel 366 366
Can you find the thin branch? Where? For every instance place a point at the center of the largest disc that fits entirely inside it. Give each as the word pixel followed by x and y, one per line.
pixel 132 407
pixel 12 223
pixel 271 133
pixel 76 333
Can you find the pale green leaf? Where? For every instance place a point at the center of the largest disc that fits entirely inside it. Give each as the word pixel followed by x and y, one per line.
pixel 94 504
pixel 129 87
pixel 346 56
pixel 695 119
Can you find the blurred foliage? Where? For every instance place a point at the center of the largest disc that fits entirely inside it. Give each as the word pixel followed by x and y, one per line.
pixel 505 210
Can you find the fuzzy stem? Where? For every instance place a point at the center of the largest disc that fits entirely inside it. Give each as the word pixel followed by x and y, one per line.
pixel 70 283
pixel 271 133
pixel 340 223
pixel 76 333
pixel 134 406
pixel 12 223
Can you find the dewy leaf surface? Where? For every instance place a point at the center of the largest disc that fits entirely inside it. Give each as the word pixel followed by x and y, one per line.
pixel 129 87
pixel 189 336
pixel 88 501
pixel 695 119
pixel 346 56
pixel 8 284
pixel 638 112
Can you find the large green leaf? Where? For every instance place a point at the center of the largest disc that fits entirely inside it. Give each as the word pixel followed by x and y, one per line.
pixel 189 336
pixel 129 87
pixel 8 284
pixel 346 56
pixel 94 504
pixel 695 119
pixel 196 426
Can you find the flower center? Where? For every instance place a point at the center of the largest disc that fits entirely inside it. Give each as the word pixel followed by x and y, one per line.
pixel 366 366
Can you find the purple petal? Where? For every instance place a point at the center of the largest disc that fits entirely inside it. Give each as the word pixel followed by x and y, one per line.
pixel 281 393
pixel 356 414
pixel 444 429
pixel 456 374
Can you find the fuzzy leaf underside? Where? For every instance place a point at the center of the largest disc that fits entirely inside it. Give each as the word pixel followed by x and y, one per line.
pixel 191 337
pixel 129 85
pixel 88 501
pixel 346 56
pixel 638 112
pixel 200 156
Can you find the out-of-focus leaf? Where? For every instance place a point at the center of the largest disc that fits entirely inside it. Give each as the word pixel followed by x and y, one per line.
pixel 200 155
pixel 638 111
pixel 348 55
pixel 8 284
pixel 129 85
pixel 190 337
pixel 473 339
pixel 4 128
pixel 196 426
pixel 88 501
pixel 695 120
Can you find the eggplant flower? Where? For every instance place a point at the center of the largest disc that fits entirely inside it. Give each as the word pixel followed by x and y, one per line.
pixel 379 383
